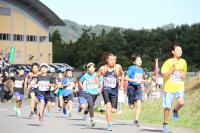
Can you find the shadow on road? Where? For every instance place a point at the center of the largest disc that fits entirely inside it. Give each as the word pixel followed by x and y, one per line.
pixel 122 124
pixel 11 115
pixel 34 125
pixel 93 128
pixel 76 119
pixel 27 118
pixel 81 125
pixel 152 130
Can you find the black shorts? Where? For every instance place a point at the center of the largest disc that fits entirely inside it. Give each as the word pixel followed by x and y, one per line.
pixel 109 97
pixel 34 90
pixel 53 96
pixel 68 98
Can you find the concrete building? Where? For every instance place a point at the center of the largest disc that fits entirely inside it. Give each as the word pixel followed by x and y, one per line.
pixel 25 24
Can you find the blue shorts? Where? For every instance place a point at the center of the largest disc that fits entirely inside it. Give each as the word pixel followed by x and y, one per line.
pixel 17 94
pixel 168 98
pixel 82 100
pixel 44 95
pixel 134 93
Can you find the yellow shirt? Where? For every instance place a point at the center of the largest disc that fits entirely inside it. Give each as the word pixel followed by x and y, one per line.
pixel 174 81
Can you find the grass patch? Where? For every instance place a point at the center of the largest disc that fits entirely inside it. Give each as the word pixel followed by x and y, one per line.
pixel 152 111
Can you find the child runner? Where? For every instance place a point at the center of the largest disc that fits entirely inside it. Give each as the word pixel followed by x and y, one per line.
pixel 68 85
pixel 33 88
pixel 19 81
pixel 91 88
pixel 81 96
pixel 60 89
pixel 45 81
pixel 110 72
pixel 174 73
pixel 52 95
pixel 134 77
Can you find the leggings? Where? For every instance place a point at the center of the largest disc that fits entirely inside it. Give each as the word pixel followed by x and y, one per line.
pixel 91 101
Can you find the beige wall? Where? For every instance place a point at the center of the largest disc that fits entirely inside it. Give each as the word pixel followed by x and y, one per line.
pixel 23 23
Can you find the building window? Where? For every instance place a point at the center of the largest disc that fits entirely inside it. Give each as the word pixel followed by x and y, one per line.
pixel 4 36
pixel 18 37
pixel 31 38
pixel 43 38
pixel 5 11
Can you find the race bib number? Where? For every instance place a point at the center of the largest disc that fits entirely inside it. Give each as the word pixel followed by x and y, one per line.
pixel 110 82
pixel 176 76
pixel 91 84
pixel 19 84
pixel 138 77
pixel 33 83
pixel 43 85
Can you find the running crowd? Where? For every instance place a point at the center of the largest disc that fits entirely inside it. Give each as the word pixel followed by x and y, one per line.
pixel 107 81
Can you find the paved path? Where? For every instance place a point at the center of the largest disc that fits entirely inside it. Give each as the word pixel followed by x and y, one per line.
pixel 10 123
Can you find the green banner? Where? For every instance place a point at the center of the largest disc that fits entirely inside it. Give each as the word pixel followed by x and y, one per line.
pixel 12 54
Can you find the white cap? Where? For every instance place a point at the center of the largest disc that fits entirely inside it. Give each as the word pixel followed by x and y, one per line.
pixel 44 64
pixel 90 64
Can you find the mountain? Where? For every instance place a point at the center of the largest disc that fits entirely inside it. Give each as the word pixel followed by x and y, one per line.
pixel 72 30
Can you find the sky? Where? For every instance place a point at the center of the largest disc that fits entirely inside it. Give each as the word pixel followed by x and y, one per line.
pixel 134 14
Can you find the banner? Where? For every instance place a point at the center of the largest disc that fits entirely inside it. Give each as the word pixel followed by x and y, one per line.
pixel 12 54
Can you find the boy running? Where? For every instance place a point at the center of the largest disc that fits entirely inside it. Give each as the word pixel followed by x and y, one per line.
pixel 59 90
pixel 134 77
pixel 44 81
pixel 19 81
pixel 68 85
pixel 110 72
pixel 81 96
pixel 33 88
pixel 174 72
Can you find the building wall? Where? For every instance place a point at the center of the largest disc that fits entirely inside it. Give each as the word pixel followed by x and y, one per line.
pixel 34 47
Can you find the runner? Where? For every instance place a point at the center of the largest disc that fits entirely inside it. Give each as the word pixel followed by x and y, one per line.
pixel 45 81
pixel 19 81
pixel 91 88
pixel 33 88
pixel 110 72
pixel 52 92
pixel 68 85
pixel 174 73
pixel 81 96
pixel 135 76
pixel 59 90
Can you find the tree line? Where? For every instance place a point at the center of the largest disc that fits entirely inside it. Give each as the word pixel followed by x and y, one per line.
pixel 150 44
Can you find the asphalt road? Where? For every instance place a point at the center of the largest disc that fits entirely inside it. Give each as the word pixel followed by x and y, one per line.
pixel 57 123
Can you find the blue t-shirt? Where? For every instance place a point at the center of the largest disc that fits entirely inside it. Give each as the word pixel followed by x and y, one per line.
pixel 90 84
pixel 68 90
pixel 135 73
